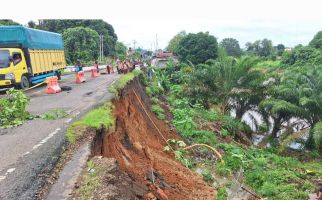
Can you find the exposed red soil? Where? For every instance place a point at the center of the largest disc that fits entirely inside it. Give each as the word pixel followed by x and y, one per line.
pixel 138 148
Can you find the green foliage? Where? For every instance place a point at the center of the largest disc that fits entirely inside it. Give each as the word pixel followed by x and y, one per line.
pixel 263 48
pixel 54 114
pixel 317 135
pixel 270 175
pixel 203 137
pixel 280 111
pixel 98 25
pixel 13 108
pixel 158 111
pixel 316 42
pixel 173 45
pixel 97 118
pixel 222 194
pixel 8 22
pixel 198 48
pixel 207 176
pixel 179 152
pixel 248 83
pixel 302 56
pixel 280 48
pixel 231 46
pixel 120 49
pixel 121 83
pixel 269 63
pixel 153 89
pixel 92 180
pixel 81 43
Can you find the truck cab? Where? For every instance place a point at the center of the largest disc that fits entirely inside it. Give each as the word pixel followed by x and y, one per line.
pixel 13 68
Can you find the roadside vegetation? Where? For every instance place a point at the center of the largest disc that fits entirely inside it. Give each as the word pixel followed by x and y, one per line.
pixel 284 88
pixel 13 109
pixel 121 83
pixel 97 118
pixel 54 114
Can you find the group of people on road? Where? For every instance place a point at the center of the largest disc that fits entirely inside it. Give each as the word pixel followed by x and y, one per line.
pixel 124 67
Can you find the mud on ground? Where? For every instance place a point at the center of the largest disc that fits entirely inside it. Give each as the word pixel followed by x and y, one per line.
pixel 137 146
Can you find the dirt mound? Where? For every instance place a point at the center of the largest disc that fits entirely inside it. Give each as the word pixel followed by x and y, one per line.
pixel 138 147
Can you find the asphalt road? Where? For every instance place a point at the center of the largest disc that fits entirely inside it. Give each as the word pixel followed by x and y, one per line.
pixel 30 151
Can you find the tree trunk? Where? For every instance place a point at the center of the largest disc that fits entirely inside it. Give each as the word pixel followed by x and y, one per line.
pixel 276 127
pixel 239 113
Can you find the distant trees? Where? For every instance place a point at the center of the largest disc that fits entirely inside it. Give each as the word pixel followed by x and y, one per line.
pixel 302 55
pixel 231 46
pixel 100 26
pixel 8 22
pixel 32 24
pixel 316 42
pixel 263 48
pixel 173 45
pixel 120 49
pixel 81 43
pixel 280 48
pixel 198 48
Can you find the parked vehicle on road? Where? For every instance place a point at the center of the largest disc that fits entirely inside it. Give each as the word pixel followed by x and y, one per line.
pixel 28 56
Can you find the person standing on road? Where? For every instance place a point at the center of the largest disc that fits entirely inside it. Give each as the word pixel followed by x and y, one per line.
pixel 78 66
pixel 96 65
pixel 108 68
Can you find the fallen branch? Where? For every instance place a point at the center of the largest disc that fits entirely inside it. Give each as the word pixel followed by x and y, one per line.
pixel 251 192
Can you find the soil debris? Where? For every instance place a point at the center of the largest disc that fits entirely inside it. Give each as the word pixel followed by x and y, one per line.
pixel 137 146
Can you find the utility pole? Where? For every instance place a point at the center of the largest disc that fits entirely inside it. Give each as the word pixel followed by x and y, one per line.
pixel 134 42
pixel 156 43
pixel 101 51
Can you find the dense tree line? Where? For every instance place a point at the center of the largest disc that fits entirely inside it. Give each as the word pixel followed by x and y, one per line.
pixel 81 37
pixel 8 22
pixel 100 26
pixel 283 87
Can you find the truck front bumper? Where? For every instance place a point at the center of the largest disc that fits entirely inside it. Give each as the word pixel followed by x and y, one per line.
pixel 6 83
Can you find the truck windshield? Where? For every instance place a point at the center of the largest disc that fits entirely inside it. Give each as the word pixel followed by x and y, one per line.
pixel 4 58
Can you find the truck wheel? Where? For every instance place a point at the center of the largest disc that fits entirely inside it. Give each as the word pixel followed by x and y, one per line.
pixel 25 83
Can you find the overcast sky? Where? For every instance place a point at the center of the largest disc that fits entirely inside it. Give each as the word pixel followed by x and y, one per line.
pixel 289 22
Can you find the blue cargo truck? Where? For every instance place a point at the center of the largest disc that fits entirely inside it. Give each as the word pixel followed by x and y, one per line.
pixel 28 56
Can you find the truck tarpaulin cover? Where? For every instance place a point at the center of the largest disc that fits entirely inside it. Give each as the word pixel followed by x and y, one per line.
pixel 30 38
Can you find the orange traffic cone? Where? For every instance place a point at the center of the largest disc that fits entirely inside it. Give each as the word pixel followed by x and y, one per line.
pixel 80 77
pixel 94 73
pixel 52 85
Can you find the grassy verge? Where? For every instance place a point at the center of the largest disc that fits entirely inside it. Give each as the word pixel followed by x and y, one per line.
pixel 91 180
pixel 121 83
pixel 54 114
pixel 96 118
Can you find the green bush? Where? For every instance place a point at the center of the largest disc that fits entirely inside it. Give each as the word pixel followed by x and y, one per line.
pixel 158 111
pixel 13 108
pixel 207 176
pixel 222 194
pixel 268 174
pixel 204 137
